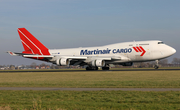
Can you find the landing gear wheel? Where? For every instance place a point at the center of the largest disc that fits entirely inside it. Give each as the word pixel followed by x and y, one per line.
pixel 105 68
pixel 96 68
pixel 87 68
pixel 156 67
pixel 91 68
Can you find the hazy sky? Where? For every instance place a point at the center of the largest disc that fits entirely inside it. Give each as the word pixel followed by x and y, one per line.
pixel 81 23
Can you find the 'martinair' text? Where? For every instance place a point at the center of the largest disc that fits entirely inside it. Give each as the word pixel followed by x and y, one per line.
pixel 105 51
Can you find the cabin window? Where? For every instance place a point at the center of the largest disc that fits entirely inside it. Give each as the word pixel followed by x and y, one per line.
pixel 160 42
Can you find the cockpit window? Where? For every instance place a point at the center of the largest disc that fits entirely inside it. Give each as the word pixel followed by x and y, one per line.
pixel 160 42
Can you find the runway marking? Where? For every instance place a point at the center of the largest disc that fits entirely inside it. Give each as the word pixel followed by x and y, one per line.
pixel 89 89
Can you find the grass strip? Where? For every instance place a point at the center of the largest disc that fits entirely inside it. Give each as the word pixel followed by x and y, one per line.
pixel 62 100
pixel 93 79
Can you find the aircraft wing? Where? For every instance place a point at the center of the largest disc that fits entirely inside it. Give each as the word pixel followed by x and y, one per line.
pixel 120 57
pixel 43 56
pixel 52 56
pixel 79 57
pixel 113 57
pixel 74 59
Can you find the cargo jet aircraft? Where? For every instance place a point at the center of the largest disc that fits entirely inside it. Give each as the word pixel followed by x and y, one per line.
pixel 93 57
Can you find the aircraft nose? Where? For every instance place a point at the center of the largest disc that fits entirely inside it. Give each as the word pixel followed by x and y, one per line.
pixel 173 51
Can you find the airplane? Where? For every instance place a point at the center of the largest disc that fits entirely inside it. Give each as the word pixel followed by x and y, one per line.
pixel 94 57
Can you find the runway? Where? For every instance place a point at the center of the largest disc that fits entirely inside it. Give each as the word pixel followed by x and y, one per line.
pixel 74 70
pixel 89 89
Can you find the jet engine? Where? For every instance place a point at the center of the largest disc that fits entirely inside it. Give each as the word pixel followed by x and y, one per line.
pixel 98 63
pixel 63 62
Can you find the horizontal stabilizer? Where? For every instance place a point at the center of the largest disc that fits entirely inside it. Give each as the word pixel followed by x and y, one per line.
pixel 39 56
pixel 14 54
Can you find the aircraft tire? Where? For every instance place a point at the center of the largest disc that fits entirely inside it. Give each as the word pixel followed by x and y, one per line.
pixel 105 68
pixel 96 68
pixel 91 68
pixel 87 68
pixel 156 67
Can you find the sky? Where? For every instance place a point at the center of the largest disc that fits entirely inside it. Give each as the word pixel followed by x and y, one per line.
pixel 80 23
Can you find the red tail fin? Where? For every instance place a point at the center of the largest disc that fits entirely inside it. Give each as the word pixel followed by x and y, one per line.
pixel 31 44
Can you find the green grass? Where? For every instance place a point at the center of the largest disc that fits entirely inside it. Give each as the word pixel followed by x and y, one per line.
pixel 102 79
pixel 85 100
pixel 90 100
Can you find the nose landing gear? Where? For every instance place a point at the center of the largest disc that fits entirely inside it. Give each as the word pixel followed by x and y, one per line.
pixel 157 65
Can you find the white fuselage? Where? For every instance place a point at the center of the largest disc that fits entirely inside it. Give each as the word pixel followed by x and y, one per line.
pixel 153 50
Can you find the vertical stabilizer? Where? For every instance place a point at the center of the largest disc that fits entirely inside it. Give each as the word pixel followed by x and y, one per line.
pixel 31 44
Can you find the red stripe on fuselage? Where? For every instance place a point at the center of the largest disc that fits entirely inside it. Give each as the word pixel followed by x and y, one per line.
pixel 142 50
pixel 139 49
pixel 135 49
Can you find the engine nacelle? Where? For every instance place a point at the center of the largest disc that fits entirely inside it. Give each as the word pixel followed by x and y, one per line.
pixel 63 62
pixel 98 63
pixel 127 64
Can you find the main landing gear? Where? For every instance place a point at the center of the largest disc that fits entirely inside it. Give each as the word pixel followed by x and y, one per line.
pixel 96 68
pixel 157 65
pixel 91 68
pixel 105 68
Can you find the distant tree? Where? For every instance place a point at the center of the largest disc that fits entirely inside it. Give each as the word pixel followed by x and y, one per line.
pixel 33 65
pixel 43 64
pixel 176 61
pixel 163 62
pixel 23 66
pixel 12 67
pixel 141 64
pixel 52 66
pixel 149 65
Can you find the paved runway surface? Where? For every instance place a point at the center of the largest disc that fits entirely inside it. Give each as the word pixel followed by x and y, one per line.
pixel 89 89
